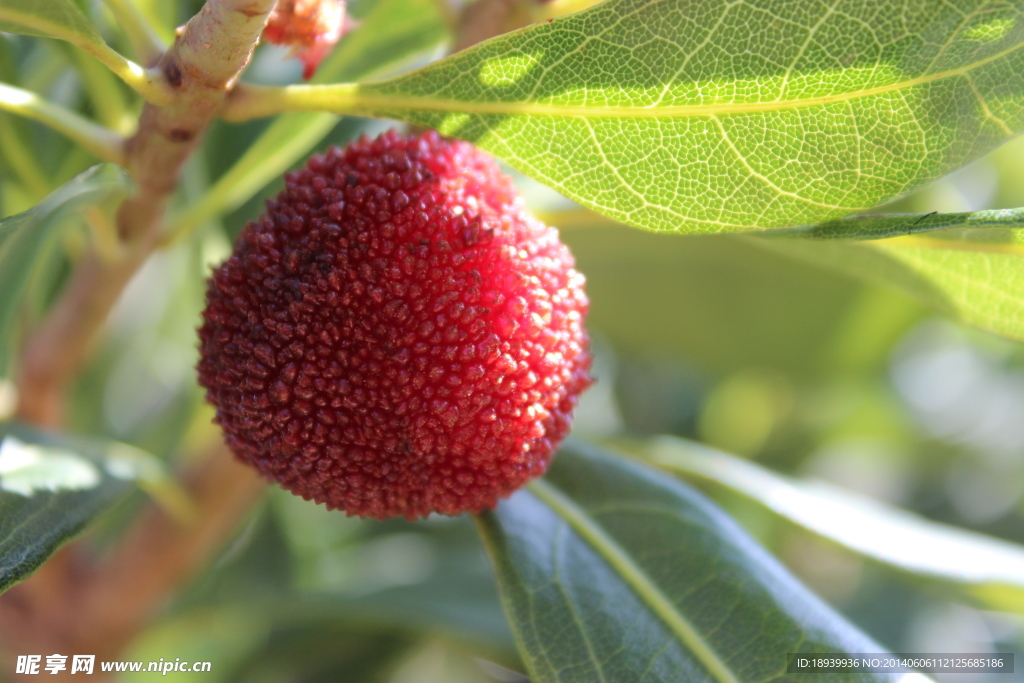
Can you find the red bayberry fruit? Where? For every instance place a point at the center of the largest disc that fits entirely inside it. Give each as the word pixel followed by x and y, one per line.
pixel 310 27
pixel 396 334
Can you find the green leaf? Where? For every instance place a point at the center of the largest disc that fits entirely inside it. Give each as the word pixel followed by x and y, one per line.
pixel 896 224
pixel 713 116
pixel 24 238
pixel 50 488
pixel 989 568
pixel 394 30
pixel 611 571
pixel 458 597
pixel 429 577
pixel 63 19
pixel 974 275
pixel 51 19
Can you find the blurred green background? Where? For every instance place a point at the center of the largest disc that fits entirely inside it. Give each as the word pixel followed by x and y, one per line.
pixel 717 339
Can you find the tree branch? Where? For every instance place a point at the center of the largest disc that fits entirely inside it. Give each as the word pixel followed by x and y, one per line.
pixel 160 554
pixel 200 68
pixel 70 605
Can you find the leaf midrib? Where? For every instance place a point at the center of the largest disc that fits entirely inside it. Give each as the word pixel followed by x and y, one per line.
pixel 348 97
pixel 635 577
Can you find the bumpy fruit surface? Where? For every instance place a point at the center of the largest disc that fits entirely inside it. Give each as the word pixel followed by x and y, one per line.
pixel 396 335
pixel 309 27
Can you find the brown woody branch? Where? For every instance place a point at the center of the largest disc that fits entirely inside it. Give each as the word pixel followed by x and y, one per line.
pixel 160 554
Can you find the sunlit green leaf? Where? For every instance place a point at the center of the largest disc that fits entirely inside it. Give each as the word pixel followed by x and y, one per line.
pixel 26 469
pixel 612 571
pixel 988 567
pixel 713 116
pixel 50 488
pixel 974 275
pixel 25 237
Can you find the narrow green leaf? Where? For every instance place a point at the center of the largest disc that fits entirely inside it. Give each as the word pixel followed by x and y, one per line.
pixel 988 567
pixel 50 488
pixel 51 19
pixel 716 116
pixel 893 225
pixel 143 37
pixel 64 20
pixel 24 238
pixel 393 31
pixel 610 571
pixel 973 275
pixel 105 144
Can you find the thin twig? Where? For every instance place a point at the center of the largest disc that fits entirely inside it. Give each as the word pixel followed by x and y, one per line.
pixel 106 95
pixel 477 22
